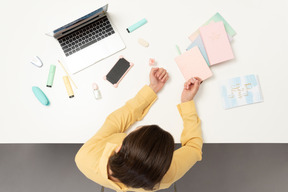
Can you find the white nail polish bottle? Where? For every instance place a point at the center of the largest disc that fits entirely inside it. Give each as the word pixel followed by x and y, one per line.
pixel 96 91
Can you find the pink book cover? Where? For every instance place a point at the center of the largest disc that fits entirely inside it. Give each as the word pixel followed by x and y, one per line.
pixel 192 64
pixel 216 43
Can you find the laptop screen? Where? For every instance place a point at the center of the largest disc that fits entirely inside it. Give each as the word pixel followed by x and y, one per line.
pixel 94 14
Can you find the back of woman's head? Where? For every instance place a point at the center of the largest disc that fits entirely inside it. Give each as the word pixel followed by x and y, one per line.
pixel 144 158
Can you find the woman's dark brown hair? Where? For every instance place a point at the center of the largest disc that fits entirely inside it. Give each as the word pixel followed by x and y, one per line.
pixel 144 158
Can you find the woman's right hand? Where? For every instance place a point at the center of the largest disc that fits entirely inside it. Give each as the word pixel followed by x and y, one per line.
pixel 158 78
pixel 190 89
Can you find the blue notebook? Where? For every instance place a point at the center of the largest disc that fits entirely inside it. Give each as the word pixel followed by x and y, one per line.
pixel 240 91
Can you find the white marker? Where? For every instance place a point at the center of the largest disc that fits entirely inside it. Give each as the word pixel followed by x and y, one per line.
pixel 96 91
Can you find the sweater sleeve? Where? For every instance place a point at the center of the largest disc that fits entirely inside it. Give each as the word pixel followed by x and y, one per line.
pixel 134 110
pixel 191 140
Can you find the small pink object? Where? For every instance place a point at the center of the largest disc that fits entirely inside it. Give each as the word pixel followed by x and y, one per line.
pixel 95 86
pixel 152 62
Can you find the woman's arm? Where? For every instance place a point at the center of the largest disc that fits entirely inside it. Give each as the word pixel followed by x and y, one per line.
pixel 134 109
pixel 191 137
pixel 191 140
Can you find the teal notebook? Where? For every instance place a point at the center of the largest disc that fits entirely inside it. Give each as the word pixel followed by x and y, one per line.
pixel 216 18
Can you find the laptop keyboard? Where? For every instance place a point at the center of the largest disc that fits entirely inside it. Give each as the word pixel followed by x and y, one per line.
pixel 86 36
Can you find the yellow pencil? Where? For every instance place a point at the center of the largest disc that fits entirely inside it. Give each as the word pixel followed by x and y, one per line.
pixel 67 74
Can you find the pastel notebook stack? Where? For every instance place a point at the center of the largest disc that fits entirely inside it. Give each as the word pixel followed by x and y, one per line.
pixel 240 91
pixel 212 40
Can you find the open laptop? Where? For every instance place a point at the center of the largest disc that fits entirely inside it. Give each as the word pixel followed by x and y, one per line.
pixel 88 39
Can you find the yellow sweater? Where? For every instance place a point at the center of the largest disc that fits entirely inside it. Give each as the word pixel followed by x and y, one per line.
pixel 92 158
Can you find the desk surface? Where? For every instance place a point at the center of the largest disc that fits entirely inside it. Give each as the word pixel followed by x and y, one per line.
pixel 260 47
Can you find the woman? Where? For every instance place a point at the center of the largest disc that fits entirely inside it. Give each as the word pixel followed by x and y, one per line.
pixel 145 159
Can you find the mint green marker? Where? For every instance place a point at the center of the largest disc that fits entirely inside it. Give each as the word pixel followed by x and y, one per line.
pixel 178 49
pixel 51 76
pixel 136 25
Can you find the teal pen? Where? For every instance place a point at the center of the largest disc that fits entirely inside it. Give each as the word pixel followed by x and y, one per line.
pixel 136 25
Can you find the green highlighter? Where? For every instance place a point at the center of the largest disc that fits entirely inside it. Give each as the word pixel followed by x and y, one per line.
pixel 51 76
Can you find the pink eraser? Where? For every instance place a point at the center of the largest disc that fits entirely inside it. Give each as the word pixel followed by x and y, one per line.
pixel 152 62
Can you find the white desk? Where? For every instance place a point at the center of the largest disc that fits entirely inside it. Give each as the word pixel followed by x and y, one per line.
pixel 260 47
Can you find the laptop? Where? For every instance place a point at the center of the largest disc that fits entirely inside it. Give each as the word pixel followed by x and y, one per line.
pixel 88 39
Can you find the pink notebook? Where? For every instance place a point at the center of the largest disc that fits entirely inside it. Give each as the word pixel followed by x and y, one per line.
pixel 216 43
pixel 192 64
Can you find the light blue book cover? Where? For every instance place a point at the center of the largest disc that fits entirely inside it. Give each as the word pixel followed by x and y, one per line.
pixel 198 42
pixel 241 91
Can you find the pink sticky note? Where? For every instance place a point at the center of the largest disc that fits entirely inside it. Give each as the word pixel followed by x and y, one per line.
pixel 216 43
pixel 192 64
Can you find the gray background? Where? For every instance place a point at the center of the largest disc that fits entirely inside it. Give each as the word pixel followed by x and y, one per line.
pixel 224 168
